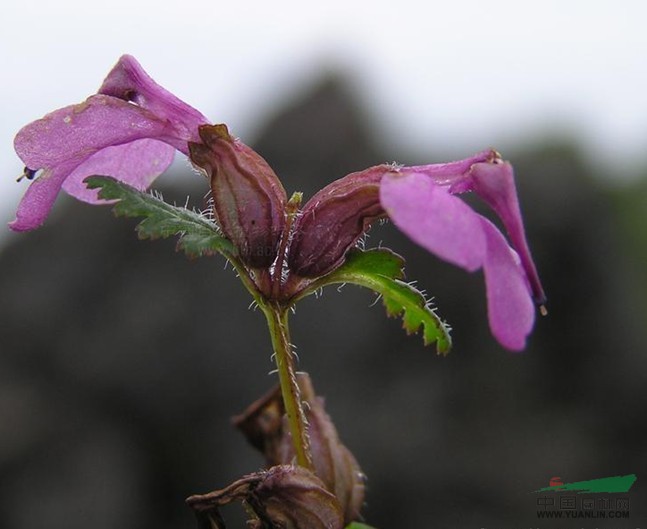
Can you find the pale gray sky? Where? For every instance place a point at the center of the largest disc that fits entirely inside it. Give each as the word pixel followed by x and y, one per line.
pixel 455 76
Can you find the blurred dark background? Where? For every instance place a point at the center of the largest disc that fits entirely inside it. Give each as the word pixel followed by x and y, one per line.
pixel 122 361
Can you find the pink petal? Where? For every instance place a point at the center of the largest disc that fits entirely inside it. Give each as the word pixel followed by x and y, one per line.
pixel 511 312
pixel 39 198
pixel 73 133
pixel 452 173
pixel 494 183
pixel 137 164
pixel 128 81
pixel 106 134
pixel 433 218
pixel 65 139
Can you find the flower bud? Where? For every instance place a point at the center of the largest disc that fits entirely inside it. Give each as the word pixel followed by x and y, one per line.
pixel 333 220
pixel 248 198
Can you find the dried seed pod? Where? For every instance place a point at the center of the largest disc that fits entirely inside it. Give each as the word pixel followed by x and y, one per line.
pixel 263 423
pixel 283 497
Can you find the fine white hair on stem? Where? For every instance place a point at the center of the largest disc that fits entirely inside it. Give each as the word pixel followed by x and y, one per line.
pixel 361 242
pixel 376 300
pixel 295 355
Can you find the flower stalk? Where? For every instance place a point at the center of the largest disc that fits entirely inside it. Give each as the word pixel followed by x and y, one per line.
pixel 277 321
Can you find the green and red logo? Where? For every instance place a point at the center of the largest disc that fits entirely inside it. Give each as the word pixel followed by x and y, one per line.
pixel 614 484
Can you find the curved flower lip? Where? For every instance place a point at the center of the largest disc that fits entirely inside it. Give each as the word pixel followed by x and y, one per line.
pixel 421 203
pixel 494 183
pixel 106 134
pixel 77 131
pixel 511 312
pixel 128 81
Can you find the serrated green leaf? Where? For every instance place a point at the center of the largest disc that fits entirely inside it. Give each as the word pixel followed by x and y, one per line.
pixel 197 234
pixel 377 262
pixel 381 270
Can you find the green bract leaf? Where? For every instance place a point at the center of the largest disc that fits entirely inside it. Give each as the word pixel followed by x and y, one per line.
pixel 357 525
pixel 198 235
pixel 381 270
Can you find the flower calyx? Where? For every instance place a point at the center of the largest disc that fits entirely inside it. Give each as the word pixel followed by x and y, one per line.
pixel 248 198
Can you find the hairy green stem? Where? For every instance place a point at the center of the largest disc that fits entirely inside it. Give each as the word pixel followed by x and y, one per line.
pixel 277 320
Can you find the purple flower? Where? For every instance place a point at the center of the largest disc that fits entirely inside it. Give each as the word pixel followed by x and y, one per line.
pixel 106 135
pixel 421 202
pixel 131 129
